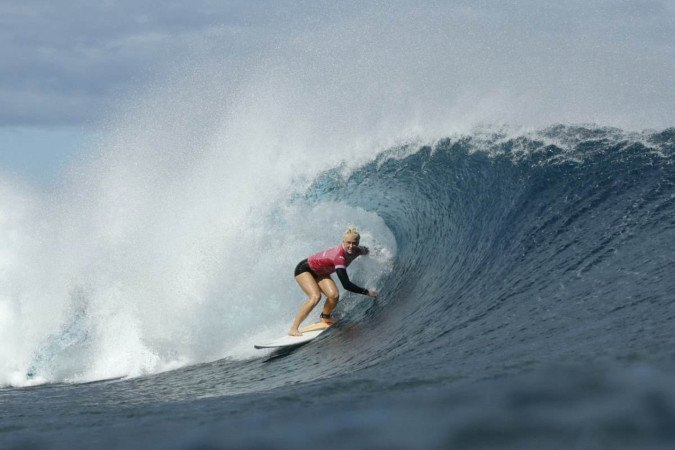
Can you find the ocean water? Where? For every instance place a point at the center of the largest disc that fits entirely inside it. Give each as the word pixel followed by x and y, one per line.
pixel 511 166
pixel 526 301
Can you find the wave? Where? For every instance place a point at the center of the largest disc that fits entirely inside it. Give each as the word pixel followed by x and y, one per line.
pixel 516 251
pixel 488 247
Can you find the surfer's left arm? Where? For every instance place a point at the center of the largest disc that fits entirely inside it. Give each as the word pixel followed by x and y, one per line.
pixel 363 250
pixel 351 287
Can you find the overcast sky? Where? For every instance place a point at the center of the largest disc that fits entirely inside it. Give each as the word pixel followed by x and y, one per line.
pixel 67 64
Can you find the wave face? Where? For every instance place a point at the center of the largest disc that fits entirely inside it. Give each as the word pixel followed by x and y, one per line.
pixel 551 248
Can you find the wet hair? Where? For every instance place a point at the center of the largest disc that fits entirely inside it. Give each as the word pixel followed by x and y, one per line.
pixel 352 231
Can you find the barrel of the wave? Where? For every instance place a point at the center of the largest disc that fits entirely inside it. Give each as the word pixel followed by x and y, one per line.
pixel 314 278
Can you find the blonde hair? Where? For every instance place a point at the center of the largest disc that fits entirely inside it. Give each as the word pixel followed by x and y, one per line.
pixel 352 231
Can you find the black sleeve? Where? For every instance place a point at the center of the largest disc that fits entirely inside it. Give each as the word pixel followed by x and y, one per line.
pixel 351 287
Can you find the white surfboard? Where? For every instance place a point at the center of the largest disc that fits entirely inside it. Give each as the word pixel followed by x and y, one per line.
pixel 308 333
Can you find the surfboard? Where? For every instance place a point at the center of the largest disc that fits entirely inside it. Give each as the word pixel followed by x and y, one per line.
pixel 309 333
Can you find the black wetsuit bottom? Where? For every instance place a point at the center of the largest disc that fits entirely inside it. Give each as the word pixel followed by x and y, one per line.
pixel 303 266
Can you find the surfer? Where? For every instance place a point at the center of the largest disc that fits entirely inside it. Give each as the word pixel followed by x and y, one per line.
pixel 313 276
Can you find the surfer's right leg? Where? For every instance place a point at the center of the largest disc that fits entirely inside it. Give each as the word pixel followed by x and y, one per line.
pixel 309 285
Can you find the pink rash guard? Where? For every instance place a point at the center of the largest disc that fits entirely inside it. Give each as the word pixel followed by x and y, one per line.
pixel 324 263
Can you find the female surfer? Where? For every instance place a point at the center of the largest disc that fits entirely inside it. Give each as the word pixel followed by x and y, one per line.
pixel 313 276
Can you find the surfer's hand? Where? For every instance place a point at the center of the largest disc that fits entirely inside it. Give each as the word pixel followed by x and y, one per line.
pixel 364 250
pixel 372 293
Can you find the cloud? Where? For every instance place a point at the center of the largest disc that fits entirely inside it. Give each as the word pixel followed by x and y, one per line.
pixel 67 63
pixel 62 63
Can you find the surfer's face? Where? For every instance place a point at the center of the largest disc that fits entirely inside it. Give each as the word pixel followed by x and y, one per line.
pixel 350 243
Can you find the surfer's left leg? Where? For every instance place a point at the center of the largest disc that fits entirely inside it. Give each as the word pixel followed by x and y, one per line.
pixel 332 294
pixel 309 285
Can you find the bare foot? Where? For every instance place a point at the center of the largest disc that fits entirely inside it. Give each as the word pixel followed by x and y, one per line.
pixel 294 333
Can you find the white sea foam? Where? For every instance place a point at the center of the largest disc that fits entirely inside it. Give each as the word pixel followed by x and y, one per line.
pixel 166 250
pixel 179 237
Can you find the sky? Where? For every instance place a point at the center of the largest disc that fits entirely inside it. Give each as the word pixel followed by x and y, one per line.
pixel 71 68
pixel 65 64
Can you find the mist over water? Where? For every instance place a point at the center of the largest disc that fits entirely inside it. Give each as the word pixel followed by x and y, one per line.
pixel 174 242
pixel 145 263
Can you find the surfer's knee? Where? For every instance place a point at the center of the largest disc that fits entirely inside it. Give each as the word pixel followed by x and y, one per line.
pixel 314 299
pixel 333 298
